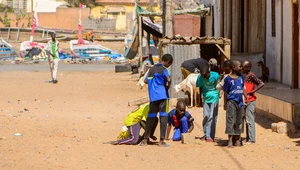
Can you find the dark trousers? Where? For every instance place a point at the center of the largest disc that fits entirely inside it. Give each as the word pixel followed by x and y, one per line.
pixel 234 118
pixel 160 106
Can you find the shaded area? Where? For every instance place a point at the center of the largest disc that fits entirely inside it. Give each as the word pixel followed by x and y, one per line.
pixel 43 66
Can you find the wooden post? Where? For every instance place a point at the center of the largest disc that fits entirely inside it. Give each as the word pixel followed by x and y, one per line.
pixel 225 19
pixel 246 25
pixel 147 44
pixel 227 50
pixel 8 34
pixel 234 23
pixel 228 19
pixel 221 24
pixel 169 19
pixel 140 41
pixel 18 34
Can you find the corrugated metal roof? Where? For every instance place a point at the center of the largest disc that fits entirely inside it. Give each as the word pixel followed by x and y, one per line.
pixel 180 53
pixel 194 40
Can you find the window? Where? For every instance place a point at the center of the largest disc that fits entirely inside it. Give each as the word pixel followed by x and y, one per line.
pixel 273 13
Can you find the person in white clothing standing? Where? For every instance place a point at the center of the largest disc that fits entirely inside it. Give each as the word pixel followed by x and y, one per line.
pixel 53 48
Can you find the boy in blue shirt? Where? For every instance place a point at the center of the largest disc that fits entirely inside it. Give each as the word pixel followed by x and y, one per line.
pixel 181 120
pixel 207 81
pixel 233 95
pixel 159 82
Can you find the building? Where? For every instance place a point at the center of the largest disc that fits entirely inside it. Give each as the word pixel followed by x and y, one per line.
pixel 120 10
pixel 17 5
pixel 282 41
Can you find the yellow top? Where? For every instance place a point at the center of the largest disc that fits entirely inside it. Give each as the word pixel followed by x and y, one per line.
pixel 137 115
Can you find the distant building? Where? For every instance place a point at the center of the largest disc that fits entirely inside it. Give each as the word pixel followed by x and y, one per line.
pixel 17 5
pixel 120 10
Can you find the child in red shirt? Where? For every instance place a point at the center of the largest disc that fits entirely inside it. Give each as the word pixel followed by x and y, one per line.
pixel 252 84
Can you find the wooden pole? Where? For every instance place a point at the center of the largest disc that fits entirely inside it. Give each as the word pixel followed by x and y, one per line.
pixel 140 41
pixel 221 18
pixel 228 19
pixel 246 25
pixel 234 23
pixel 169 19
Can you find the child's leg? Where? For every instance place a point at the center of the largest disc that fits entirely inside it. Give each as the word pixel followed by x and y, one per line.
pixel 163 116
pixel 215 107
pixel 230 117
pixel 207 119
pixel 134 132
pixel 230 141
pixel 153 129
pixel 152 115
pixel 250 122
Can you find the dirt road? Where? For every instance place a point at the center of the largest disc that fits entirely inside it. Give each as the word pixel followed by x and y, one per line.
pixel 64 125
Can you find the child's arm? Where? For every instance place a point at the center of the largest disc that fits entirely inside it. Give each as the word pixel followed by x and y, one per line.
pixel 258 82
pixel 225 88
pixel 168 131
pixel 246 96
pixel 146 78
pixel 191 127
pixel 225 100
pixel 168 85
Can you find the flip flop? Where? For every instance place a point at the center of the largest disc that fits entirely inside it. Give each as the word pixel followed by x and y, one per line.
pixel 142 144
pixel 164 145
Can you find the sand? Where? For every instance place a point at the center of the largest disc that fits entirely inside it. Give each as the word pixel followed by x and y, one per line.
pixel 64 125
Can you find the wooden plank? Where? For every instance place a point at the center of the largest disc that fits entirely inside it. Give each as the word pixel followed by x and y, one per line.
pixel 226 55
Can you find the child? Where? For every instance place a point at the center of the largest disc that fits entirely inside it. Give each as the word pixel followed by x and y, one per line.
pixel 207 81
pixel 159 82
pixel 181 120
pixel 53 58
pixel 252 84
pixel 227 70
pixel 234 89
pixel 134 121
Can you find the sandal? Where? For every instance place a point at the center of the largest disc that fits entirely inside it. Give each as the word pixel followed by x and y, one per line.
pixel 163 145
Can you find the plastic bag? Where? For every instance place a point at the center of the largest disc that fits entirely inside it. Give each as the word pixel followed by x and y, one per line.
pixel 124 133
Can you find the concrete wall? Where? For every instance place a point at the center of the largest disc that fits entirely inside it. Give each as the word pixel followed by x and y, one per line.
pixel 187 25
pixel 66 18
pixel 273 44
pixel 253 57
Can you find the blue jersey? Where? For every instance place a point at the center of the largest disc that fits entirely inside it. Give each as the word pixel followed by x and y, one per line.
pixel 234 89
pixel 157 79
pixel 208 87
pixel 173 112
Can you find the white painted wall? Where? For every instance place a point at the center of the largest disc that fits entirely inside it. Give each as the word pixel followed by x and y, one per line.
pixel 273 44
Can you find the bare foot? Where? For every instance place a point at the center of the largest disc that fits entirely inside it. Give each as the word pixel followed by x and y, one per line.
pixel 114 143
pixel 230 145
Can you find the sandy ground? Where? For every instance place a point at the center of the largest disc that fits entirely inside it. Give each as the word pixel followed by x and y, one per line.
pixel 64 125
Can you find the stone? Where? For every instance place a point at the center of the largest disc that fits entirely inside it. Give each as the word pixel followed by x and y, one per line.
pixel 284 127
pixel 187 138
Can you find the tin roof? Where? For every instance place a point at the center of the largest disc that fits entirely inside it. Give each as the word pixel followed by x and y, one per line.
pixel 194 40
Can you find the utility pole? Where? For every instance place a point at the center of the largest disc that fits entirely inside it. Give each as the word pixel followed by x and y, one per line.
pixel 168 14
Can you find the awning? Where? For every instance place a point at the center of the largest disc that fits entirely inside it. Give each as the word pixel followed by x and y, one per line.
pixel 152 28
